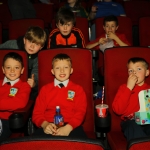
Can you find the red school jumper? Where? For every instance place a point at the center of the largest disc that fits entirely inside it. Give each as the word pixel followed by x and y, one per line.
pixel 126 101
pixel 72 109
pixel 10 103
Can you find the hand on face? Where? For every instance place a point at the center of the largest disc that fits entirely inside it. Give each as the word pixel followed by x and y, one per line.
pixel 132 79
pixel 111 35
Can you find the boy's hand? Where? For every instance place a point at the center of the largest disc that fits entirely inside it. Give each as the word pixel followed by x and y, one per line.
pixel 132 79
pixel 64 131
pixel 31 81
pixel 49 128
pixel 102 40
pixel 94 9
pixel 112 36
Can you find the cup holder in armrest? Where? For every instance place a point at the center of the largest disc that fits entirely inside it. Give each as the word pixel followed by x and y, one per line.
pixel 16 121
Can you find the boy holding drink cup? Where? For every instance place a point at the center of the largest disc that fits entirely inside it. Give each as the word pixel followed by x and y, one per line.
pixel 126 101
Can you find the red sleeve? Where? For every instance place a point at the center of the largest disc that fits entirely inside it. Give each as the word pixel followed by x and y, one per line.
pixel 95 41
pixel 39 108
pixel 121 100
pixel 123 38
pixel 10 103
pixel 80 108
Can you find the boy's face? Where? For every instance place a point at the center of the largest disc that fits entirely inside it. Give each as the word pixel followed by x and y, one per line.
pixel 110 26
pixel 12 69
pixel 65 29
pixel 31 48
pixel 62 70
pixel 139 70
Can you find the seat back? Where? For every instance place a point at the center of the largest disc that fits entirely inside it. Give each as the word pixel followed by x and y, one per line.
pixel 19 27
pixel 0 32
pixel 5 16
pixel 139 144
pixel 115 61
pixel 125 27
pixel 44 12
pixel 82 75
pixel 136 9
pixel 24 76
pixel 82 24
pixel 45 143
pixel 144 31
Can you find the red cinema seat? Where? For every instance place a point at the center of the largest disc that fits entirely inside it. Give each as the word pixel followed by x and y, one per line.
pixel 44 12
pixel 144 31
pixel 115 60
pixel 139 144
pixel 19 27
pixel 136 9
pixel 55 143
pixel 5 16
pixel 0 32
pixel 82 75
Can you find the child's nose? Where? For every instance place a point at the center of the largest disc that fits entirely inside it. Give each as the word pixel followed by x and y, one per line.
pixel 65 27
pixel 32 45
pixel 12 69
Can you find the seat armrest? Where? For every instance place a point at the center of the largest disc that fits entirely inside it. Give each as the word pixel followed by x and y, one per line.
pixel 19 117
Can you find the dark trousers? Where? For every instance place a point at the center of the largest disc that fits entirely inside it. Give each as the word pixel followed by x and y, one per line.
pixel 6 132
pixel 132 130
pixel 77 132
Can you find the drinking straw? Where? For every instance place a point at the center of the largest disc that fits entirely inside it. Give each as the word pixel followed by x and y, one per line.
pixel 103 95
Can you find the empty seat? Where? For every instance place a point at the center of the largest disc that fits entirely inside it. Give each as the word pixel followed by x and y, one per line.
pixel 144 31
pixel 19 27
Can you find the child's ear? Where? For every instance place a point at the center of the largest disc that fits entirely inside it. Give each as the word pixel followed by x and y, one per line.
pixel 147 72
pixel 52 71
pixel 71 71
pixel 22 70
pixel 104 27
pixel 3 70
pixel 117 27
pixel 24 40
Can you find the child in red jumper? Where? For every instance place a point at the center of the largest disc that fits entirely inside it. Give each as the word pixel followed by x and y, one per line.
pixel 52 95
pixel 126 101
pixel 110 26
pixel 14 93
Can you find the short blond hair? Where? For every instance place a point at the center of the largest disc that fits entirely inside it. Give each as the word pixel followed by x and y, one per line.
pixel 36 34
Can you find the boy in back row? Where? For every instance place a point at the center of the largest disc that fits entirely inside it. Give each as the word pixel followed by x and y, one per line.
pixel 110 26
pixel 14 93
pixel 33 41
pixel 71 98
pixel 66 35
pixel 126 101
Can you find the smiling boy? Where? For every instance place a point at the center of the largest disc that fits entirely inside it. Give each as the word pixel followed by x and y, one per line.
pixel 32 42
pixel 51 95
pixel 14 93
pixel 126 101
pixel 66 35
pixel 110 26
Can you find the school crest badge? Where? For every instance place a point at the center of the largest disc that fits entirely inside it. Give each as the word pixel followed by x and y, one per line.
pixel 71 95
pixel 13 91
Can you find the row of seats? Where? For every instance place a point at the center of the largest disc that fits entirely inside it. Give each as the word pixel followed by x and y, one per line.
pixel 115 60
pixel 125 26
pixel 133 9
